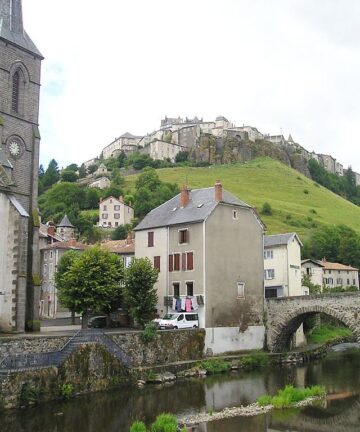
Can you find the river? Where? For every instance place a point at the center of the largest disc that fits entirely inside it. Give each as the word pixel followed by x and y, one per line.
pixel 115 410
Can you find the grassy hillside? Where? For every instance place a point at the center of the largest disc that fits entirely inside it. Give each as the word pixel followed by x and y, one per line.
pixel 297 202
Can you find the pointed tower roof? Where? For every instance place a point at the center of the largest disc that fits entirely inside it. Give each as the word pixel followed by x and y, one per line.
pixel 290 139
pixel 65 223
pixel 11 26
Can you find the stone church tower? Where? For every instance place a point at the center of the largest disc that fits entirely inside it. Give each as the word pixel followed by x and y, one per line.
pixel 20 63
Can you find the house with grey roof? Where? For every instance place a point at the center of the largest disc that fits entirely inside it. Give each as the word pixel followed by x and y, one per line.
pixel 207 245
pixel 282 265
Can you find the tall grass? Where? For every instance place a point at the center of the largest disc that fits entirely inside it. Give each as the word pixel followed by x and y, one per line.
pixel 326 333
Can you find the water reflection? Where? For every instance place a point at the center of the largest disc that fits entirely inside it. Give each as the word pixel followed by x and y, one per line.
pixel 115 411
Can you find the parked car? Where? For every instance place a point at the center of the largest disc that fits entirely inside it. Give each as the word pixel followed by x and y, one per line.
pixel 97 321
pixel 179 320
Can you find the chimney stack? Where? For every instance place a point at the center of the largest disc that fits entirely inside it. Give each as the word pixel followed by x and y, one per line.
pixel 218 191
pixel 184 196
pixel 121 198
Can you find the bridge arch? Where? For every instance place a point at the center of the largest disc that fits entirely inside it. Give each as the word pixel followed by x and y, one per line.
pixel 285 317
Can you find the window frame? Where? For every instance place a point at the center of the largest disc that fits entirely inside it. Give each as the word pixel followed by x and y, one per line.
pixel 183 236
pixel 157 262
pixel 240 294
pixel 150 238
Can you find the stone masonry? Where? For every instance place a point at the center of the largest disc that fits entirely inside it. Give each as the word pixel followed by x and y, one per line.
pixel 284 315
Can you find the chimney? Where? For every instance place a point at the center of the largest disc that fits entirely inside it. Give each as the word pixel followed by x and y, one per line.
pixel 51 230
pixel 218 191
pixel 184 196
pixel 121 199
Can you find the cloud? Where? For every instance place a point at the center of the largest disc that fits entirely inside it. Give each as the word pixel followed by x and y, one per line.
pixel 121 66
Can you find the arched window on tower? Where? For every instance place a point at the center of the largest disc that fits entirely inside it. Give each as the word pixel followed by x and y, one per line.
pixel 15 92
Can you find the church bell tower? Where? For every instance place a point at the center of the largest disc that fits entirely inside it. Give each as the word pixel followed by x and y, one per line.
pixel 20 65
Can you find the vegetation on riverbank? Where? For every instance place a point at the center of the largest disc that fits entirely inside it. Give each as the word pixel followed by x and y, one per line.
pixel 326 333
pixel 219 365
pixel 290 395
pixel 163 423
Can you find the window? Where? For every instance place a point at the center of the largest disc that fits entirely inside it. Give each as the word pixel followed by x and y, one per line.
pixel 51 270
pixel 15 92
pixel 116 207
pixel 190 289
pixel 269 274
pixel 177 262
pixel 171 263
pixel 339 281
pixel 45 256
pixel 176 289
pixel 183 236
pixel 51 254
pixel 151 239
pixel 348 281
pixel 354 282
pixel 268 254
pixel 157 263
pixel 235 214
pixel 116 215
pixel 187 261
pixel 104 216
pixel 330 281
pixel 45 269
pixel 240 290
pixel 105 207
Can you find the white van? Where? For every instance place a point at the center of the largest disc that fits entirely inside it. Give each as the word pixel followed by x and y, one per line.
pixel 179 320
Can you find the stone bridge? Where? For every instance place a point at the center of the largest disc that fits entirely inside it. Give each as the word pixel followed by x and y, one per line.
pixel 284 315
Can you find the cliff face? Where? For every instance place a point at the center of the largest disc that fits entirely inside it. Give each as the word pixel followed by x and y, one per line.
pixel 230 150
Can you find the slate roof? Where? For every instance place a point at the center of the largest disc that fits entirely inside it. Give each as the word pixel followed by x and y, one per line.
pixel 65 222
pixel 17 36
pixel 202 203
pixel 129 135
pixel 280 239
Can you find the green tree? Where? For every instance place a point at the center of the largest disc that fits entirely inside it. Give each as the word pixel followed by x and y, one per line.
pixel 63 267
pixel 120 233
pixel 182 156
pixel 73 167
pixel 68 175
pixel 82 171
pixel 51 175
pixel 140 294
pixel 92 282
pixel 313 289
pixel 148 179
pixel 92 168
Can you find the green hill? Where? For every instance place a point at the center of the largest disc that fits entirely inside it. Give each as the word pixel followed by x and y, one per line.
pixel 298 204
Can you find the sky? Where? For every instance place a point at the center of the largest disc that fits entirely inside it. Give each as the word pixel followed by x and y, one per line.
pixel 116 66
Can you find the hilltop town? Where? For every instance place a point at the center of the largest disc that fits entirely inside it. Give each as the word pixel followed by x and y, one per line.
pixel 219 141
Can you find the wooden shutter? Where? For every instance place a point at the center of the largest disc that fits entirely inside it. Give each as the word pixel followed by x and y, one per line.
pixel 177 262
pixel 190 261
pixel 157 262
pixel 171 263
pixel 151 239
pixel 183 261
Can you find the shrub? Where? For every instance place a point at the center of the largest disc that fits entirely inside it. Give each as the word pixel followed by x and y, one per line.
pixel 266 209
pixel 67 390
pixel 313 211
pixel 164 423
pixel 306 191
pixel 213 366
pixel 138 427
pixel 149 333
pixel 254 361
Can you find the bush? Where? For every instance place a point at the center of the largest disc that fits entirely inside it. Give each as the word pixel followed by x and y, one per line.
pixel 254 361
pixel 164 423
pixel 138 427
pixel 149 333
pixel 266 209
pixel 306 191
pixel 67 390
pixel 213 366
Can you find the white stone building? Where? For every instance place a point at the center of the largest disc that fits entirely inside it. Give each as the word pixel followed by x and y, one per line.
pixel 101 183
pixel 161 150
pixel 126 142
pixel 113 212
pixel 253 133
pixel 282 265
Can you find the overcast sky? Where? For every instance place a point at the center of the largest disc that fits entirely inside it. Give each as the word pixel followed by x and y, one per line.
pixel 112 66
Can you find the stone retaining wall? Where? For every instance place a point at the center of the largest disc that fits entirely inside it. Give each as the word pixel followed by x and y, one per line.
pixel 31 345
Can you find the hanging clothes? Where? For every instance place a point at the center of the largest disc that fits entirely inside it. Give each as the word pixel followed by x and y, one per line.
pixel 194 303
pixel 188 305
pixel 183 304
pixel 174 303
pixel 178 305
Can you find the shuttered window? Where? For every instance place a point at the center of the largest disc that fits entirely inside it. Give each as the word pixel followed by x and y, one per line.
pixel 151 239
pixel 177 262
pixel 171 263
pixel 157 262
pixel 184 236
pixel 183 261
pixel 190 261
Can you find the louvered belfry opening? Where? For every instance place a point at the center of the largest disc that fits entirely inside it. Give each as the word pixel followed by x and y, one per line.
pixel 15 92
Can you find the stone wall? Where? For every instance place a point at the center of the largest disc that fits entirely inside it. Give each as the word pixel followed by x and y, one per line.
pixel 167 347
pixel 30 345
